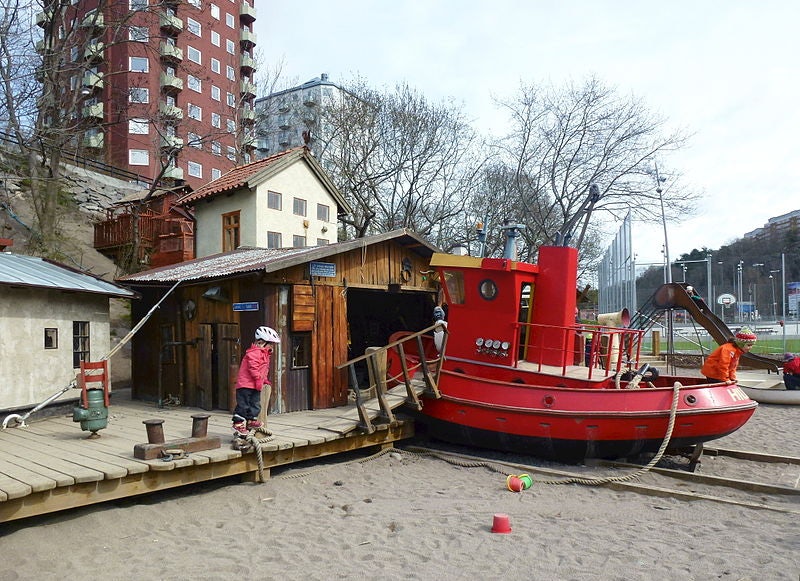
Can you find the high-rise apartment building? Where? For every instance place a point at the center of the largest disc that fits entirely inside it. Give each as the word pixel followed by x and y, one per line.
pixel 285 116
pixel 164 88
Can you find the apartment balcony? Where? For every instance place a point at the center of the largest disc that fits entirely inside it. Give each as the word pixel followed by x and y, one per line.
pixel 41 46
pixel 171 83
pixel 171 142
pixel 43 18
pixel 92 20
pixel 284 122
pixel 173 173
pixel 248 89
pixel 170 52
pixel 248 64
pixel 93 81
pixel 93 141
pixel 170 23
pixel 94 51
pixel 93 111
pixel 310 98
pixel 247 13
pixel 248 116
pixel 170 111
pixel 247 39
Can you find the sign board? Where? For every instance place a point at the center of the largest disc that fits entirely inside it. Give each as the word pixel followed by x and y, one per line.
pixel 726 299
pixel 323 269
pixel 252 306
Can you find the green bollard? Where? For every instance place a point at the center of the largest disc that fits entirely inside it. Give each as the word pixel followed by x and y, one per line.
pixel 95 416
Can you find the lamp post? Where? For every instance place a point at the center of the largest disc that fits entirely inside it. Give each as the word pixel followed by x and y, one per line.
pixel 774 304
pixel 739 292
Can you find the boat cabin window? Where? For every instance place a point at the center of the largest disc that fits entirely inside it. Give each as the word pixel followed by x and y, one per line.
pixel 454 279
pixel 488 289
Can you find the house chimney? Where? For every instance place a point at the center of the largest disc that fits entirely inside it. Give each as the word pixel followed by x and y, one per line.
pixel 324 77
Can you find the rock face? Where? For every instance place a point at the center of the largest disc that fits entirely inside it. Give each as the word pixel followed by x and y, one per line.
pixel 93 194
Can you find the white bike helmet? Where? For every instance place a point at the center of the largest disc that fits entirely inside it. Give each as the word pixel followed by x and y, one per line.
pixel 267 334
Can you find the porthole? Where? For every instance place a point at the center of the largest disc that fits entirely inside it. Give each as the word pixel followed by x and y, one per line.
pixel 488 289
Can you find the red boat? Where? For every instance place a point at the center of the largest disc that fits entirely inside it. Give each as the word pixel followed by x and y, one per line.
pixel 520 374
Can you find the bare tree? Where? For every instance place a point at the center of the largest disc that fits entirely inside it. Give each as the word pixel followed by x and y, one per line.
pixel 579 153
pixel 401 161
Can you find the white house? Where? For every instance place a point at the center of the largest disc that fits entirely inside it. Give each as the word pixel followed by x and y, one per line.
pixel 285 200
pixel 52 317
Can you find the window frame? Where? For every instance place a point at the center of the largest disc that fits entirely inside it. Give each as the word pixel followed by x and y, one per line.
pixel 231 230
pixel 273 195
pixel 81 342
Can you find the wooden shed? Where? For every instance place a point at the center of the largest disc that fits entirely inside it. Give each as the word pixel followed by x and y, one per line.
pixel 328 303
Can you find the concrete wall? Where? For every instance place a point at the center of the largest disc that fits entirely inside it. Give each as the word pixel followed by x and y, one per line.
pixel 29 373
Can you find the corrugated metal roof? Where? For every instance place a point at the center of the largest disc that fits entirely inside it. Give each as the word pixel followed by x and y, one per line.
pixel 244 260
pixel 32 271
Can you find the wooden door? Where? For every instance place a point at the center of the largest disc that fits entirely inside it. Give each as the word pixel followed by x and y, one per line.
pixel 226 365
pixel 204 380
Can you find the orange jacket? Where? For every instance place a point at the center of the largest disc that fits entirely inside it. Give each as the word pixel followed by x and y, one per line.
pixel 722 362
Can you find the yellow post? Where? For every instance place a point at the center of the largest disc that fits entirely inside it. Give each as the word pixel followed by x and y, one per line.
pixel 656 342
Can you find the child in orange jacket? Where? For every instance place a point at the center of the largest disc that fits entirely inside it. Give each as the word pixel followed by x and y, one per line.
pixel 720 366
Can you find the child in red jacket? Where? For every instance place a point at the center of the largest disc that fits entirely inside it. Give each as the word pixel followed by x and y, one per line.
pixel 252 380
pixel 791 371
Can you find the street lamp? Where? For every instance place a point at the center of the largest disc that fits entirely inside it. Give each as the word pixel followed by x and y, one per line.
pixel 739 292
pixel 774 304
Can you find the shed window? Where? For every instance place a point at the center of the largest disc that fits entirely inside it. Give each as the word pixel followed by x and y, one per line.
pixel 51 338
pixel 80 343
pixel 230 231
pixel 301 351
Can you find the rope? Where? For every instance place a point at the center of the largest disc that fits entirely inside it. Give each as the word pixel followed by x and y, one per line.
pixel 256 444
pixel 504 471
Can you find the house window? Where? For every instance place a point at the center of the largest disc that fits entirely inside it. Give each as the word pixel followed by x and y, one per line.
pixel 215 65
pixel 194 112
pixel 273 239
pixel 230 231
pixel 139 95
pixel 215 12
pixel 216 148
pixel 301 351
pixel 215 39
pixel 194 55
pixel 323 212
pixel 193 26
pixel 215 173
pixel 298 241
pixel 231 153
pixel 231 100
pixel 138 4
pixel 139 34
pixel 138 126
pixel 50 338
pixel 138 64
pixel 216 120
pixel 229 20
pixel 230 125
pixel 215 93
pixel 194 140
pixel 231 74
pixel 299 207
pixel 80 342
pixel 195 169
pixel 230 46
pixel 138 157
pixel 196 3
pixel 274 200
pixel 322 241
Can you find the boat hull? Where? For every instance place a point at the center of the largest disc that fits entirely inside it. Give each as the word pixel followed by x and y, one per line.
pixel 570 425
pixel 773 395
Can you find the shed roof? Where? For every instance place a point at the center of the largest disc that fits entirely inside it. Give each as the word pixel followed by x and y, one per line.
pixel 32 271
pixel 248 259
pixel 253 174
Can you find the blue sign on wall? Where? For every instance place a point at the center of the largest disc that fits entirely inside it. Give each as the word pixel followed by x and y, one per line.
pixel 245 306
pixel 323 269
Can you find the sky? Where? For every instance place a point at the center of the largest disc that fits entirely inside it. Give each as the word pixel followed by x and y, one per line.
pixel 725 71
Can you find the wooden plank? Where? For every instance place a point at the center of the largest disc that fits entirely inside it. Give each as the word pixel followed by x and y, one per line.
pixel 59 478
pixel 13 488
pixel 36 456
pixel 34 480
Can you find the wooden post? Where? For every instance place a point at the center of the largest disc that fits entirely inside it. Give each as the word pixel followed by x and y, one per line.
pixel 376 365
pixel 656 342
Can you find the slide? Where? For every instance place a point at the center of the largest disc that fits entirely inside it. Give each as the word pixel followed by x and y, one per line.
pixel 674 295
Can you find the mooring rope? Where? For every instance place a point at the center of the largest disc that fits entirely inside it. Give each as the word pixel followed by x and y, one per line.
pixel 256 443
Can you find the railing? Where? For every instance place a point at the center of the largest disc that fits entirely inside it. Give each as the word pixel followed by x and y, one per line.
pixel 119 230
pixel 375 359
pixel 598 347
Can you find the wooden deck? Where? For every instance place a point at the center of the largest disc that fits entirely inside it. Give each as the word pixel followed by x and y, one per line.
pixel 51 465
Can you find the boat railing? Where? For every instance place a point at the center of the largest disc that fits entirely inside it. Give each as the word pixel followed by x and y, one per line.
pixel 375 359
pixel 604 350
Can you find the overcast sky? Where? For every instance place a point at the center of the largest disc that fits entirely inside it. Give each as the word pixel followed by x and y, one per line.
pixel 724 70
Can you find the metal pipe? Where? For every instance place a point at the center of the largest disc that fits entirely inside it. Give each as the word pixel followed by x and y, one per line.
pixel 155 431
pixel 200 425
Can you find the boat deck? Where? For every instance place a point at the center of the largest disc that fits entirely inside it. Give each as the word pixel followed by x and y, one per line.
pixel 52 465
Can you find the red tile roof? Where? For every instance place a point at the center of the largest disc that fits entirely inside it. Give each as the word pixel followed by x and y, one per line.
pixel 238 176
